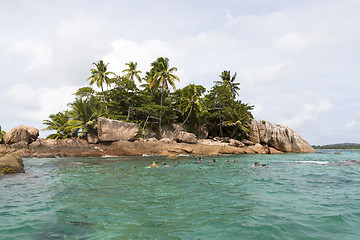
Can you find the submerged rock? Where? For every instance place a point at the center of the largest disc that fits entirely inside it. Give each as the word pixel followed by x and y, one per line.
pixel 278 136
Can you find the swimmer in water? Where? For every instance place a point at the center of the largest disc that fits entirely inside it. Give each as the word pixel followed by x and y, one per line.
pixel 213 160
pixel 256 164
pixel 199 161
pixel 177 164
pixel 235 161
pixel 154 164
pixel 165 165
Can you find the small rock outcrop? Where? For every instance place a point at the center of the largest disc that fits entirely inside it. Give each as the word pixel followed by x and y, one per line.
pixel 278 136
pixel 113 130
pixel 21 134
pixel 11 163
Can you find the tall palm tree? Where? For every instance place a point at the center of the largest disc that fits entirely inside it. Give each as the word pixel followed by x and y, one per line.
pixel 131 72
pixel 100 75
pixel 229 82
pixel 160 77
pixel 59 123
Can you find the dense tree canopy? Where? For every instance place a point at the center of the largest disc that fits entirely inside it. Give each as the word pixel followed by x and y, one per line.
pixel 153 104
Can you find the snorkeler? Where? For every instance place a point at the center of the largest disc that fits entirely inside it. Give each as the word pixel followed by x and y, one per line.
pixel 256 164
pixel 199 161
pixel 177 164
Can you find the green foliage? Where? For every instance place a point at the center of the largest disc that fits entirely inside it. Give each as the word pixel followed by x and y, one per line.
pixel 59 123
pixel 263 122
pixel 131 72
pixel 154 104
pixel 2 133
pixel 84 116
pixel 339 146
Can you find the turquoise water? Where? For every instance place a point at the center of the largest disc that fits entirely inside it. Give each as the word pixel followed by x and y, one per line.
pixel 300 196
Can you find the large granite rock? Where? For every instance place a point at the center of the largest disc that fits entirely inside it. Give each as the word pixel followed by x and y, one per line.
pixel 279 137
pixel 113 130
pixel 171 130
pixel 21 134
pixel 186 137
pixel 11 163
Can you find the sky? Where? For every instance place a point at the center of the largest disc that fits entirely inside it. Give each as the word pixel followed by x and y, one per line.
pixel 297 62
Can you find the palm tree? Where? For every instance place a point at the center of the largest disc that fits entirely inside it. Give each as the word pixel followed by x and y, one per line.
pixel 229 82
pixel 100 75
pixel 59 123
pixel 84 116
pixel 240 118
pixel 160 77
pixel 191 101
pixel 132 72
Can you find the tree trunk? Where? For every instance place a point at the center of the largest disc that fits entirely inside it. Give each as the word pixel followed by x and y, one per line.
pixel 145 124
pixel 128 115
pixel 161 103
pixel 182 124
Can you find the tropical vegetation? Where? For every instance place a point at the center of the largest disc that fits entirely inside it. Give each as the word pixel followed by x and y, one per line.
pixel 154 103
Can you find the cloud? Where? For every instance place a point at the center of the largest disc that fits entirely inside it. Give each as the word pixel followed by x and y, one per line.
pixel 187 54
pixel 309 113
pixel 264 21
pixel 299 41
pixel 37 104
pixel 36 55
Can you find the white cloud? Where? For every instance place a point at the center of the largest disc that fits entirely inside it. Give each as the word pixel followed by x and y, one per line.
pixel 251 21
pixel 299 41
pixel 212 48
pixel 36 55
pixel 37 104
pixel 267 73
pixel 309 113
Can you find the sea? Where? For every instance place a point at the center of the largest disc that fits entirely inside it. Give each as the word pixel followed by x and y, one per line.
pixel 296 196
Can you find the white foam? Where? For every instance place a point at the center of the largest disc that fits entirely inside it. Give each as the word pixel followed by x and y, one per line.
pixel 314 162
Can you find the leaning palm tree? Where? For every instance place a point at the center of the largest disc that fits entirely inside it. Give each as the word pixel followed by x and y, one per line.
pixel 229 82
pixel 161 77
pixel 131 72
pixel 100 75
pixel 59 123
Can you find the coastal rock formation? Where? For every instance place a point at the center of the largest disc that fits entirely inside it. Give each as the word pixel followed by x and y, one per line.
pixel 21 134
pixel 280 137
pixel 11 163
pixel 113 130
pixel 186 137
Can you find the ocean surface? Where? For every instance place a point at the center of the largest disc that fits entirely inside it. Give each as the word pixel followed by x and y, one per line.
pixel 298 196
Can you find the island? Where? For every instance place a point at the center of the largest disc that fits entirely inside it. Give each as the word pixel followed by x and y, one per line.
pixel 150 119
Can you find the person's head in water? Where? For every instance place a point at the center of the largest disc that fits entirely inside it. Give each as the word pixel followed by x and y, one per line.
pixel 235 161
pixel 256 164
pixel 264 165
pixel 213 160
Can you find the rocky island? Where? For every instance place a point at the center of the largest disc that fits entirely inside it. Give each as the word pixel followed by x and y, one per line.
pixel 117 138
pixel 150 120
